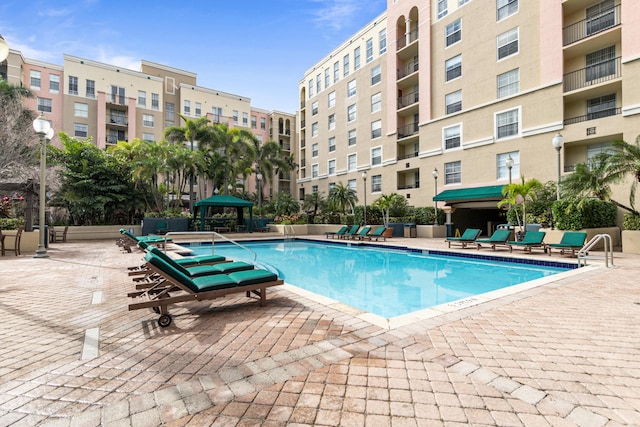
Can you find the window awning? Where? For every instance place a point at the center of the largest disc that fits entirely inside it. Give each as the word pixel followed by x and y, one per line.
pixel 491 192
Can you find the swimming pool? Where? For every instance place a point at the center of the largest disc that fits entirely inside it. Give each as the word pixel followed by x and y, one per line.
pixel 385 282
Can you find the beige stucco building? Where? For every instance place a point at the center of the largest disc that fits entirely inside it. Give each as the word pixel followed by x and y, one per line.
pixel 461 86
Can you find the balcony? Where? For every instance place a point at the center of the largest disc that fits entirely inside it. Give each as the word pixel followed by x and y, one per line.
pixel 118 120
pixel 406 100
pixel 408 186
pixel 403 42
pixel 593 75
pixel 286 132
pixel 408 130
pixel 113 140
pixel 408 156
pixel 594 116
pixel 285 147
pixel 302 124
pixel 117 99
pixel 408 68
pixel 591 26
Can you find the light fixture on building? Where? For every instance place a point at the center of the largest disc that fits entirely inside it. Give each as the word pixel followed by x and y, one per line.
pixel 557 142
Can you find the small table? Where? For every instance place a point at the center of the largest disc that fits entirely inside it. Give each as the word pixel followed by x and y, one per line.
pixel 221 229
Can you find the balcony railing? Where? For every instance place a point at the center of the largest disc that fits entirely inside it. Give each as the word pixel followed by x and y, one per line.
pixel 302 124
pixel 590 26
pixel 594 74
pixel 408 186
pixel 116 120
pixel 408 156
pixel 408 68
pixel 594 116
pixel 286 147
pixel 402 41
pixel 407 130
pixel 406 100
pixel 114 140
pixel 118 99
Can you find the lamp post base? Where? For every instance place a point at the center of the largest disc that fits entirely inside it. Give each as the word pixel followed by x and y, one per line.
pixel 41 253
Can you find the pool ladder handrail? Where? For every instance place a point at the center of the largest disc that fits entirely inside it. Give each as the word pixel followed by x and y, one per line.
pixel 583 253
pixel 289 232
pixel 213 235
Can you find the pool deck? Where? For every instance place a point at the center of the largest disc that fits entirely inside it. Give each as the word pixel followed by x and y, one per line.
pixel 563 353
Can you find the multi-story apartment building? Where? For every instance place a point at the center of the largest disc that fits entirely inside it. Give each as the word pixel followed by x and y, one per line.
pixel 85 98
pixel 462 86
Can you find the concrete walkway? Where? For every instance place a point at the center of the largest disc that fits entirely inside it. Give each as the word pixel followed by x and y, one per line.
pixel 565 353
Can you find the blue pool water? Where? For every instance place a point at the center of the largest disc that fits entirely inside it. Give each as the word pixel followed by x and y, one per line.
pixel 381 281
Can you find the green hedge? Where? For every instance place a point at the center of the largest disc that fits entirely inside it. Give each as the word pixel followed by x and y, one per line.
pixel 10 223
pixel 631 221
pixel 585 213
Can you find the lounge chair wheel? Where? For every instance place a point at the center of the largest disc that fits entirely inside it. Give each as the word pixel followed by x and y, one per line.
pixel 164 320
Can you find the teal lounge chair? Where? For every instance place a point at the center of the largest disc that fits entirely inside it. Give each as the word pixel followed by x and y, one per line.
pixel 377 234
pixel 350 232
pixel 571 241
pixel 498 238
pixel 532 239
pixel 362 233
pixel 469 236
pixel 338 233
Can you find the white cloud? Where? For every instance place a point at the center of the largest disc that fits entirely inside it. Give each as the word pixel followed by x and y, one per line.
pixel 336 13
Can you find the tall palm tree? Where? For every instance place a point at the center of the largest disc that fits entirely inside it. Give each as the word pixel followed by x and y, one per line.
pixel 268 159
pixel 313 203
pixel 233 144
pixel 342 198
pixel 387 202
pixel 627 160
pixel 519 194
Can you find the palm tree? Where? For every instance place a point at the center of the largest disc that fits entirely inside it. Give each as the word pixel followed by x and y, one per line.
pixel 627 160
pixel 520 193
pixel 267 158
pixel 342 198
pixel 313 203
pixel 285 204
pixel 233 144
pixel 387 202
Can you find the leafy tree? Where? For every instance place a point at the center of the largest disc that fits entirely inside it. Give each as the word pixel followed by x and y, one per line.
pixel 266 158
pixel 18 143
pixel 519 194
pixel 388 203
pixel 285 204
pixel 234 145
pixel 314 203
pixel 342 198
pixel 627 160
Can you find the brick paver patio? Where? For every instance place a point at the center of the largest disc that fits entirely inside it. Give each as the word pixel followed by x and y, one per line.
pixel 562 354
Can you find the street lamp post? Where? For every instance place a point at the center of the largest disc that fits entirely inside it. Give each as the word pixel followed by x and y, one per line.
pixel 557 142
pixel 364 178
pixel 509 163
pixel 435 193
pixel 45 132
pixel 230 188
pixel 259 178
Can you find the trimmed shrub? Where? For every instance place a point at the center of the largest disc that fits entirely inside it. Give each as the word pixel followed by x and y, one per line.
pixel 10 223
pixel 583 213
pixel 631 221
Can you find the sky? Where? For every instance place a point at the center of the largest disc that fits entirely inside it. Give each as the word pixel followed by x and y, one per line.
pixel 258 49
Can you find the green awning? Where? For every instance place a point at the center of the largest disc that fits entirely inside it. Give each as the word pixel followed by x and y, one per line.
pixel 491 192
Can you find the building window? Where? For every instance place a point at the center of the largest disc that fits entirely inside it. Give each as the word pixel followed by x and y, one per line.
pixel 453 32
pixel 310 88
pixel 351 112
pixel 170 112
pixel 54 83
pixel 80 109
pixel 453 102
pixel 44 105
pixel 503 170
pixel 376 129
pixel 462 2
pixel 35 77
pixel 369 50
pixel 332 144
pixel 351 88
pixel 199 109
pixel 155 101
pixel 80 130
pixel 595 150
pixel 254 122
pixel 376 102
pixel 73 85
pixel 336 71
pixel 508 43
pixel 331 99
pixel 601 63
pixel 376 183
pixel 332 121
pixel 91 89
pixel 235 117
pixel 442 8
pixel 314 129
pixel 506 8
pixel 118 95
pixel 147 120
pixel 376 156
pixel 600 17
pixel 507 123
pixel 453 173
pixel 314 108
pixel 314 150
pixel 326 78
pixel 376 75
pixel 352 137
pixel 318 83
pixel 509 83
pixel 453 67
pixel 187 108
pixel 314 170
pixel 345 65
pixel 245 119
pixel 314 189
pixel 331 167
pixel 352 184
pixel 352 162
pixel 382 41
pixel 602 106
pixel 142 99
pixel 149 137
pixel 452 136
pixel 263 123
pixel 356 59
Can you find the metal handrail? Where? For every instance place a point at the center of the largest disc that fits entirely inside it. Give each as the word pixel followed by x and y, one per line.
pixel 213 235
pixel 583 254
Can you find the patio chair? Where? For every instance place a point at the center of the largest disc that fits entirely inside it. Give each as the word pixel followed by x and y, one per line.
pixel 338 233
pixel 362 233
pixel 377 234
pixel 498 238
pixel 532 239
pixel 260 225
pixel 129 240
pixel 2 236
pixel 350 232
pixel 187 261
pixel 184 288
pixel 59 235
pixel 469 236
pixel 15 245
pixel 571 241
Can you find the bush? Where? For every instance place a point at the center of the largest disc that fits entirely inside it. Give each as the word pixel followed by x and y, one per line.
pixel 10 223
pixel 631 221
pixel 583 213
